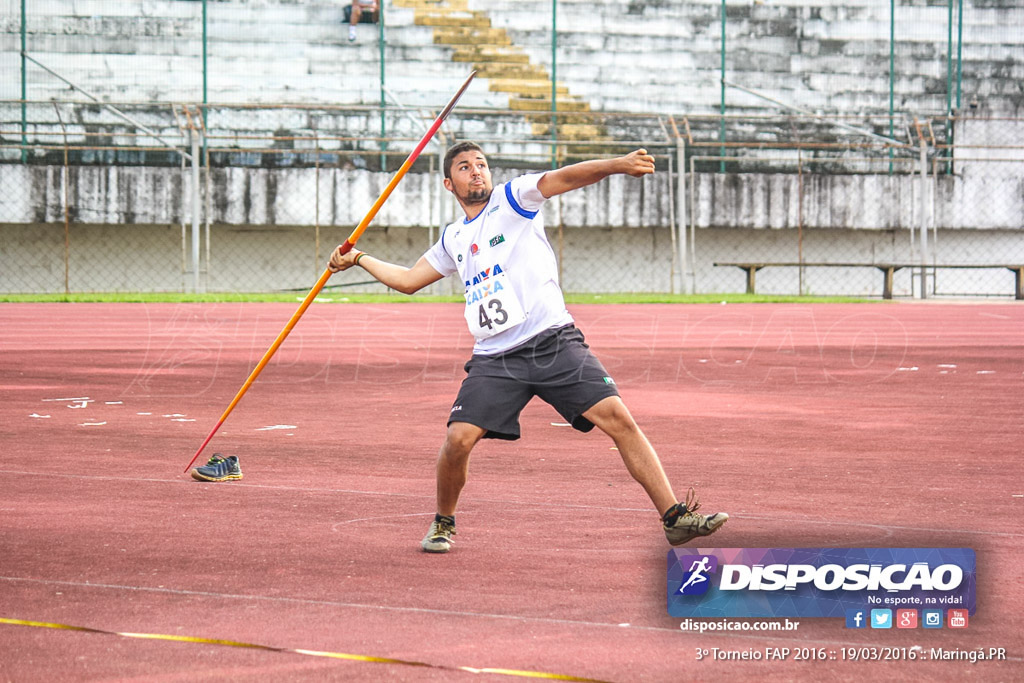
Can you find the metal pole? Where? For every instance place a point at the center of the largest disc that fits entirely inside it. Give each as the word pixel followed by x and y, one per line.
pixel 721 121
pixel 207 212
pixel 949 75
pixel 383 90
pixel 924 218
pixel 800 217
pixel 184 238
pixel 24 89
pixel 693 226
pixel 684 286
pixel 316 210
pixel 437 199
pixel 194 135
pixel 206 72
pixel 892 72
pixel 951 137
pixel 959 52
pixel 934 184
pixel 673 230
pixel 554 86
pixel 67 212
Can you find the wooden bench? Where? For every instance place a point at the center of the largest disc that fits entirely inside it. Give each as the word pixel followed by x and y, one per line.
pixel 888 269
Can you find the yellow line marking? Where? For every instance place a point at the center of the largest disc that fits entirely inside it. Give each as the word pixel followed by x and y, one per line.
pixel 311 653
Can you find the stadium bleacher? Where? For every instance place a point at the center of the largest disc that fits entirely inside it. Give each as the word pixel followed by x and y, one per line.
pixel 618 55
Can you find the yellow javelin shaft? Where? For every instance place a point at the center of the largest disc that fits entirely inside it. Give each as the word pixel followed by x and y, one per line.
pixel 345 248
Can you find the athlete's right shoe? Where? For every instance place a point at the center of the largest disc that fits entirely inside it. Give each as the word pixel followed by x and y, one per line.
pixel 218 468
pixel 439 538
pixel 682 523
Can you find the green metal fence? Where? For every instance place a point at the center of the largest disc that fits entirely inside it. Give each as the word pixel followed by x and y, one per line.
pixel 178 50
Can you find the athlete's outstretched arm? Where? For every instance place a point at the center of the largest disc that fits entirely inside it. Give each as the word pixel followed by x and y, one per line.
pixel 585 173
pixel 405 280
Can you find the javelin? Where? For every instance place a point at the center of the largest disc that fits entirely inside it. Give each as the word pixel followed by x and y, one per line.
pixel 345 248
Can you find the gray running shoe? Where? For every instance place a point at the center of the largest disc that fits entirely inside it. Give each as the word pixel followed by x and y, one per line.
pixel 439 538
pixel 218 468
pixel 682 523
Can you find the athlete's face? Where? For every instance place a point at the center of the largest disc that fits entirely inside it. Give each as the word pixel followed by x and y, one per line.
pixel 470 180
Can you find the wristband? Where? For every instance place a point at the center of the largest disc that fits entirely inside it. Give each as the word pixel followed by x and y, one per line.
pixel 361 255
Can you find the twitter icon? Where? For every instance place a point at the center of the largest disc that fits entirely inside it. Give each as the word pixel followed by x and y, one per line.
pixel 881 618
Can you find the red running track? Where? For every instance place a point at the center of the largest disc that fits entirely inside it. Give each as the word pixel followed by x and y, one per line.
pixel 817 425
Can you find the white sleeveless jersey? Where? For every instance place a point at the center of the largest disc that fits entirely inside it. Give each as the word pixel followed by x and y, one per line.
pixel 505 249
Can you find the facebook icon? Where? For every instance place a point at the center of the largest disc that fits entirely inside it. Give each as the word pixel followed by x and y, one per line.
pixel 856 618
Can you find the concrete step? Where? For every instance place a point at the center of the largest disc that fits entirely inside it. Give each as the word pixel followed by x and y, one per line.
pixel 539 104
pixel 510 70
pixel 432 4
pixel 471 36
pixel 571 131
pixel 488 53
pixel 452 18
pixel 525 87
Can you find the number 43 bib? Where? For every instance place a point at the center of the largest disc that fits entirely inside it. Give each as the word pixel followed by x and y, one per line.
pixel 492 307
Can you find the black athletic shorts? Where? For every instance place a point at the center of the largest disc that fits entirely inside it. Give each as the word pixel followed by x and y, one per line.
pixel 556 365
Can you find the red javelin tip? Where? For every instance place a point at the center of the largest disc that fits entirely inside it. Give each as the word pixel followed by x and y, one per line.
pixel 215 428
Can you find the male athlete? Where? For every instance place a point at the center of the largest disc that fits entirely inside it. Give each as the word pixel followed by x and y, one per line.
pixel 526 342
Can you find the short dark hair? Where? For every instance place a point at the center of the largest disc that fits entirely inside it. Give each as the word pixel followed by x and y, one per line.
pixel 454 151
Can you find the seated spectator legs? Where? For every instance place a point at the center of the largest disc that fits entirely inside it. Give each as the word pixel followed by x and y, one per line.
pixel 370 7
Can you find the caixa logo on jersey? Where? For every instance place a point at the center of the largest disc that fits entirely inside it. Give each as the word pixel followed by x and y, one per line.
pixel 817 582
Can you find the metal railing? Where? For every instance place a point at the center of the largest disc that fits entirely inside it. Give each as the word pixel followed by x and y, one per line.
pixel 798 188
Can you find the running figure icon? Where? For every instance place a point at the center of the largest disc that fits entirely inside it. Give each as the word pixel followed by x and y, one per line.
pixel 697 573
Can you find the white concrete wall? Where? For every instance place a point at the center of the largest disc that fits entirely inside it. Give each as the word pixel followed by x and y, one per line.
pixel 246 259
pixel 130 229
pixel 335 196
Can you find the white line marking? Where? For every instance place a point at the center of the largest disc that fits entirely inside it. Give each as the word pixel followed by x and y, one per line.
pixel 92 424
pixel 40 416
pixel 504 501
pixel 267 429
pixel 64 400
pixel 760 636
pixel 114 403
pixel 334 527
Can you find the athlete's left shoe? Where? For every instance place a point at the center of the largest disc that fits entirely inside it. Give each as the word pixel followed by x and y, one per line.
pixel 682 523
pixel 439 538
pixel 218 468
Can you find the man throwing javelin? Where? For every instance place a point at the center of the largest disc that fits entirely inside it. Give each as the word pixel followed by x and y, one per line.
pixel 526 342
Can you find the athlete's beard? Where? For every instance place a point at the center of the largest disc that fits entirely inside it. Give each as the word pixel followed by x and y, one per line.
pixel 476 197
